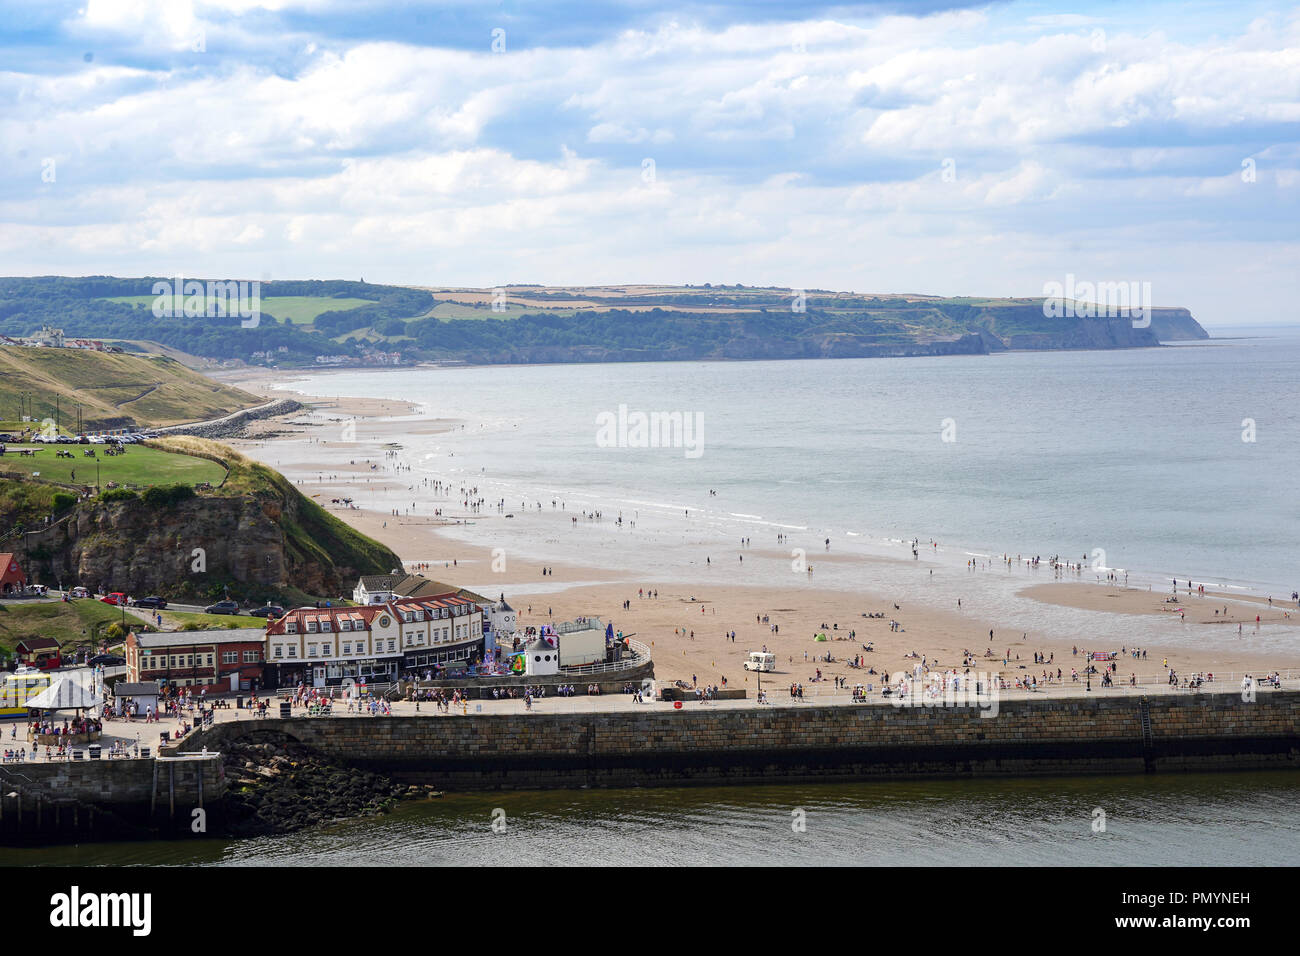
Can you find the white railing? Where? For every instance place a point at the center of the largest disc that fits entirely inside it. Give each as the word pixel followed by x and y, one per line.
pixel 640 655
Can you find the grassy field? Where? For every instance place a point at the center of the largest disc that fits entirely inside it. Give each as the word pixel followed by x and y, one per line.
pixel 68 623
pixel 298 309
pixel 177 620
pixel 140 466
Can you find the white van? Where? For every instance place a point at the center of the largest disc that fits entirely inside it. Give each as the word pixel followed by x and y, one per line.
pixel 761 661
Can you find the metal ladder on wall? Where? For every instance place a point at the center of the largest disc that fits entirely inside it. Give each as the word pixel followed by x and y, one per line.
pixel 1144 716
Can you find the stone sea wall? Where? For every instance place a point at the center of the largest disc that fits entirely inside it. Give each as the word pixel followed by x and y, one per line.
pixel 704 744
pixel 106 799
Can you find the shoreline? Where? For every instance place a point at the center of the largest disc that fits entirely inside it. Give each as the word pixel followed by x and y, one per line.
pixel 457 543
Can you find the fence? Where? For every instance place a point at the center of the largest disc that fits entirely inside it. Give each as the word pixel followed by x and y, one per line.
pixel 640 655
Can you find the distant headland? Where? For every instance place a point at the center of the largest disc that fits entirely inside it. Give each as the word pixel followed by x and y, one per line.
pixel 292 323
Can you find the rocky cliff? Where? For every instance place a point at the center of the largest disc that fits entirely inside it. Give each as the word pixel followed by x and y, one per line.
pixel 256 536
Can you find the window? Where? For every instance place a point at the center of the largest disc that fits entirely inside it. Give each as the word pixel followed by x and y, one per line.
pixel 324 625
pixel 291 627
pixel 230 657
pixel 392 645
pixel 209 660
pixel 250 657
pixel 311 650
pixel 347 648
pixel 279 650
pixel 311 627
pixel 345 625
pixel 293 652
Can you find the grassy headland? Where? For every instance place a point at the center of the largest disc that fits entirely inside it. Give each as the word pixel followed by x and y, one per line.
pixel 113 390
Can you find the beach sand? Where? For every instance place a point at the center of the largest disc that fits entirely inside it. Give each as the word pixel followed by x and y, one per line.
pixel 689 624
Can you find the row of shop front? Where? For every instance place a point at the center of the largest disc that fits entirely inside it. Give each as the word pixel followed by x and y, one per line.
pixel 376 670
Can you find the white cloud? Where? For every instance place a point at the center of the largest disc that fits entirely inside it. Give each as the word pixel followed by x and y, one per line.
pixel 811 150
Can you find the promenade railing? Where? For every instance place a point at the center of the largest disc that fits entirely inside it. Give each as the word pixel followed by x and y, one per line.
pixel 640 655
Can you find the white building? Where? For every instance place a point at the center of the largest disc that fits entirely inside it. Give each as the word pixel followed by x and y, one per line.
pixel 541 658
pixel 378 643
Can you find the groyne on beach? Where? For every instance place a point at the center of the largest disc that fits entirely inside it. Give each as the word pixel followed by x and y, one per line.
pixel 701 745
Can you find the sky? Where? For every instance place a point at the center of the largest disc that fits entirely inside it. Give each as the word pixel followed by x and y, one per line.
pixel 931 147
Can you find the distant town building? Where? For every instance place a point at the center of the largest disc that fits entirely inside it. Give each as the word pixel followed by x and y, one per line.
pixel 47 336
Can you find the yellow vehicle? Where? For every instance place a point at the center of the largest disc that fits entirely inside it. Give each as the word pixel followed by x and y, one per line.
pixel 18 688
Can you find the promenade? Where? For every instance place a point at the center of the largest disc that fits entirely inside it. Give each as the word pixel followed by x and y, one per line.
pixel 137 733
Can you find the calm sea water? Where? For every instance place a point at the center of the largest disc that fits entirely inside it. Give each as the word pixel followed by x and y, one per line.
pixel 1126 459
pixel 1132 459
pixel 1208 820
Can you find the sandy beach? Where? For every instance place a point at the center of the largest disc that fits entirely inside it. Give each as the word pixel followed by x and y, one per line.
pixel 355 448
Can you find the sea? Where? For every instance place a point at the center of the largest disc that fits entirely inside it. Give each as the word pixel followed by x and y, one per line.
pixel 1151 464
pixel 1148 465
pixel 1227 819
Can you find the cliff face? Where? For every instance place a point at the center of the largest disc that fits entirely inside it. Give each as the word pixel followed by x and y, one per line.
pixel 129 546
pixel 825 345
pixel 258 545
pixel 1176 325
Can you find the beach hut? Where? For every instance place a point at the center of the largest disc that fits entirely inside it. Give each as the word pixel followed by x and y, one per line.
pixel 541 658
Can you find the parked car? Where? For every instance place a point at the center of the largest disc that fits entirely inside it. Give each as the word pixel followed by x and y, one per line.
pixel 6 438
pixel 79 592
pixel 107 660
pixel 117 597
pixel 268 611
pixel 98 440
pixel 222 607
pixel 154 602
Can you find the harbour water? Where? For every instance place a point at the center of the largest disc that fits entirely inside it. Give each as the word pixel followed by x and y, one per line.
pixel 1242 819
